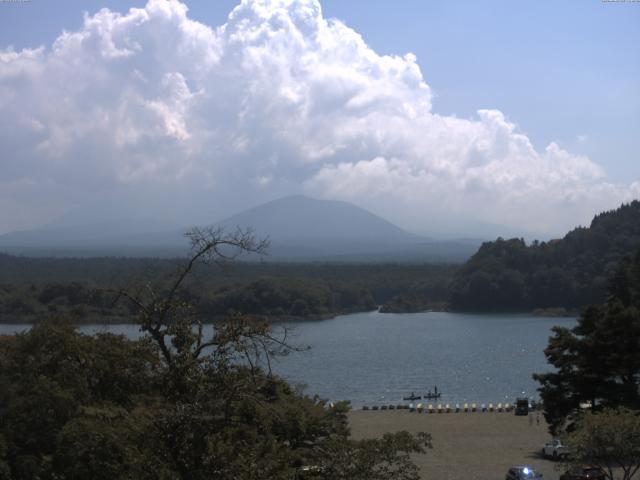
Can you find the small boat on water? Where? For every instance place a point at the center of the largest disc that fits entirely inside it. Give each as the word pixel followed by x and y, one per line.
pixel 432 396
pixel 412 397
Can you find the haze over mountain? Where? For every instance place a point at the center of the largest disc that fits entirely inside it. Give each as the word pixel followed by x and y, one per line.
pixel 304 228
pixel 300 217
pixel 87 234
pixel 299 228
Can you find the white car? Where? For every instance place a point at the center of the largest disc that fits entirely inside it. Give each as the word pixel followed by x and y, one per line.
pixel 555 448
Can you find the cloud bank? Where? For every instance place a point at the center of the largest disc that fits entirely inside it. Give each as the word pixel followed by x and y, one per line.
pixel 152 112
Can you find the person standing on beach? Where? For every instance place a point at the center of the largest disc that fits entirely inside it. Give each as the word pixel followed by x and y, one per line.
pixel 538 419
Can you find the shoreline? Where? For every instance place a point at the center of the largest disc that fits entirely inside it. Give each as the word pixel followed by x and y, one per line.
pixel 211 320
pixel 32 319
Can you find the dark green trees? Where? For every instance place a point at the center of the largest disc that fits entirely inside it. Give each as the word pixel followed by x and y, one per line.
pixel 51 379
pixel 568 273
pixel 609 439
pixel 177 404
pixel 598 361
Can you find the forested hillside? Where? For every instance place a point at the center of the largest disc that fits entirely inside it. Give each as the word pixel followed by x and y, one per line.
pixel 567 273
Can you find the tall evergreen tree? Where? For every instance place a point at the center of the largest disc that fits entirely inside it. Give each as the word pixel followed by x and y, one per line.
pixel 597 361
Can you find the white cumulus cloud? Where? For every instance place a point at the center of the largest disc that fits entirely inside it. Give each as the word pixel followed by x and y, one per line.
pixel 150 108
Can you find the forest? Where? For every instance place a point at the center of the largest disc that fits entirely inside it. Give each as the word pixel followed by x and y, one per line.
pixel 85 289
pixel 568 273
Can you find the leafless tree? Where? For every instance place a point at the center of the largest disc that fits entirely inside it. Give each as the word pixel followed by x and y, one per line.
pixel 175 326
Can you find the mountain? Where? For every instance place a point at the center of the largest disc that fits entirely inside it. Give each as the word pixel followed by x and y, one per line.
pixel 302 228
pixel 299 229
pixel 567 273
pixel 299 217
pixel 305 229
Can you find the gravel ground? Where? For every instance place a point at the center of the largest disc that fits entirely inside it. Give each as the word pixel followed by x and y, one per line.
pixel 466 446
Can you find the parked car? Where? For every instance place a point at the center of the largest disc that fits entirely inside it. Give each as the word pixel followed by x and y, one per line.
pixel 555 448
pixel 522 406
pixel 522 472
pixel 583 472
pixel 308 472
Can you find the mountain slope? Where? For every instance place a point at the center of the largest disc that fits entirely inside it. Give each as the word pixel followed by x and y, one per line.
pixel 299 228
pixel 306 229
pixel 299 217
pixel 569 273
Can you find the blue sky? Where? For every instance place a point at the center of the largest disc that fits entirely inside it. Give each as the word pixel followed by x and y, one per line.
pixel 522 114
pixel 562 71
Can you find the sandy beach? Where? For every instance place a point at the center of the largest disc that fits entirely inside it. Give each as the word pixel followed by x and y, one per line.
pixel 469 446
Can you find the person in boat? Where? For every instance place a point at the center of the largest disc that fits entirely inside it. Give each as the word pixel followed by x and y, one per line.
pixel 433 395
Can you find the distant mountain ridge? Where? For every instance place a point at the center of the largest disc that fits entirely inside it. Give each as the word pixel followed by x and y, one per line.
pixel 94 233
pixel 298 216
pixel 569 273
pixel 300 229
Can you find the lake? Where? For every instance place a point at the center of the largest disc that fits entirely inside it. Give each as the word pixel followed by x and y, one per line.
pixel 373 358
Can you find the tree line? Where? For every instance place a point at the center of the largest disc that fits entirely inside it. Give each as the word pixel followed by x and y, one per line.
pixel 569 273
pixel 82 289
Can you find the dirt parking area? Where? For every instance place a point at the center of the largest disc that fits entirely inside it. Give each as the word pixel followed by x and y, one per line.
pixel 466 446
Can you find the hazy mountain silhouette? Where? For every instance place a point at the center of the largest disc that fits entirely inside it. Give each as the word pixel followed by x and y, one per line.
pixel 300 217
pixel 306 229
pixel 299 228
pixel 101 233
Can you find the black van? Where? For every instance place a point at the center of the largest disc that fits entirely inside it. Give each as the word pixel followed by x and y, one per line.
pixel 522 406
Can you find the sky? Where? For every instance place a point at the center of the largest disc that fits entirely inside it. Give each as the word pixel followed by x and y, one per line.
pixel 447 118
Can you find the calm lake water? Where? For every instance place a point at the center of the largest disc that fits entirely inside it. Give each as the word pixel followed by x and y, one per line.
pixel 373 358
